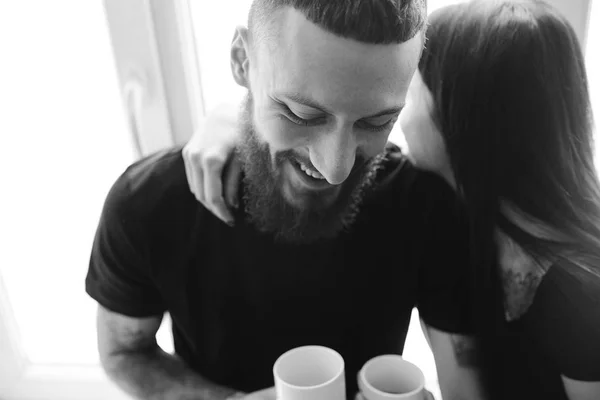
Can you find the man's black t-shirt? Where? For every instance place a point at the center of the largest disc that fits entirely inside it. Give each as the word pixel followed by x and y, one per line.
pixel 238 299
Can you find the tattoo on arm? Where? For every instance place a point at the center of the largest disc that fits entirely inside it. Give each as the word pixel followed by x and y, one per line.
pixel 131 339
pixel 519 291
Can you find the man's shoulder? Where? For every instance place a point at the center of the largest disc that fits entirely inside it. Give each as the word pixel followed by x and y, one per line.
pixel 143 228
pixel 152 194
pixel 152 181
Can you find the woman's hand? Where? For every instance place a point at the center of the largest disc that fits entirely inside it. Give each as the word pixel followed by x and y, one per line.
pixel 212 171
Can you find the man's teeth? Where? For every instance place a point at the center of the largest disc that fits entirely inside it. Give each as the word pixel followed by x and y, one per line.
pixel 310 172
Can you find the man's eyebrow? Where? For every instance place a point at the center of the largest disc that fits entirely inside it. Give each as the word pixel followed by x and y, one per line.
pixel 301 99
pixel 389 111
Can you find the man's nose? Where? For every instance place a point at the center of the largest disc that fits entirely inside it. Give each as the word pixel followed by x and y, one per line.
pixel 334 154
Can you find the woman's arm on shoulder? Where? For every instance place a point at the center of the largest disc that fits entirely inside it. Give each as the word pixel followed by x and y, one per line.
pixel 212 173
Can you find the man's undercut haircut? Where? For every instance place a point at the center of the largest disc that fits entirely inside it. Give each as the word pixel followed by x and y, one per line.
pixel 367 21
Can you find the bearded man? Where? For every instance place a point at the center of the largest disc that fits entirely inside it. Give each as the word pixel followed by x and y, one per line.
pixel 336 239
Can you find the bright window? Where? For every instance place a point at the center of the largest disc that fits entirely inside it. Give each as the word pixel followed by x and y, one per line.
pixel 64 141
pixel 593 68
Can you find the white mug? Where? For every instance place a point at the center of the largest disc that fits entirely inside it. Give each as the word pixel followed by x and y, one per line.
pixel 310 373
pixel 390 377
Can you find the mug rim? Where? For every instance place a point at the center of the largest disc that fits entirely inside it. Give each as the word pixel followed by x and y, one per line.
pixel 386 394
pixel 328 349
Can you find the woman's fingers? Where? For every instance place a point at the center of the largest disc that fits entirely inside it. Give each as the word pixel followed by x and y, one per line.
pixel 214 163
pixel 232 176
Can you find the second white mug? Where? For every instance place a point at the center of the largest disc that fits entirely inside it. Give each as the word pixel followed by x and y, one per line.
pixel 390 377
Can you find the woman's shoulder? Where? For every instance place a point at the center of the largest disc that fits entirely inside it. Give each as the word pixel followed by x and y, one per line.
pixel 573 288
pixel 564 320
pixel 567 290
pixel 560 288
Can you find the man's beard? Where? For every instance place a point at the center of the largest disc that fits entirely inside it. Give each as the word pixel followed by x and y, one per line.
pixel 269 211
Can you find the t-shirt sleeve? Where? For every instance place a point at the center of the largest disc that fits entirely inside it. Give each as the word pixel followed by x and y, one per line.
pixel 119 276
pixel 444 300
pixel 564 320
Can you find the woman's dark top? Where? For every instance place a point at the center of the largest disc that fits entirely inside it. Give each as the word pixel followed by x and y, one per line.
pixel 558 335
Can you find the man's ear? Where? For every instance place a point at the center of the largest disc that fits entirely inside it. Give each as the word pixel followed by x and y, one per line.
pixel 240 62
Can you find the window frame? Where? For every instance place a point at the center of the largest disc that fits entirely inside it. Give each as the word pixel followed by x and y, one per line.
pixel 154 50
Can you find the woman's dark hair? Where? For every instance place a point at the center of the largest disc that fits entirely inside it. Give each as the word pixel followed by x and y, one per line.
pixel 511 101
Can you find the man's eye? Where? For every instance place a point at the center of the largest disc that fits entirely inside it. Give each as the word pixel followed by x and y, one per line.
pixel 376 128
pixel 301 121
pixel 296 119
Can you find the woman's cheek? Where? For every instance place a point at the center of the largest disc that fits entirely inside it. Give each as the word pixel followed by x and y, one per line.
pixel 407 122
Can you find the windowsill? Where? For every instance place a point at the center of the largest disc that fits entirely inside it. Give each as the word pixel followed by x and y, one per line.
pixel 65 382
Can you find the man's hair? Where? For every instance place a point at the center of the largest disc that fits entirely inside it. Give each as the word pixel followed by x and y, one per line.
pixel 367 21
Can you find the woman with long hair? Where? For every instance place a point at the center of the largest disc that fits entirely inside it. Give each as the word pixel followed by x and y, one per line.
pixel 500 108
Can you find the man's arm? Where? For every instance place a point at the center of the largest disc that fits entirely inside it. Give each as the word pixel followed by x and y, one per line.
pixel 133 360
pixel 455 361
